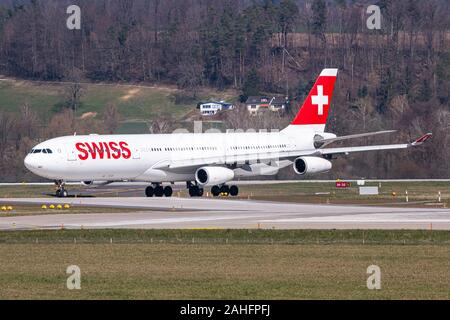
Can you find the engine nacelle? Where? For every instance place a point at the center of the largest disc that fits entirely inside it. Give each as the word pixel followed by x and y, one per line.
pixel 210 176
pixel 307 165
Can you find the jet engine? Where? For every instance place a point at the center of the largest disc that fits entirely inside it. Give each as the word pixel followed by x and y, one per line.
pixel 307 165
pixel 210 176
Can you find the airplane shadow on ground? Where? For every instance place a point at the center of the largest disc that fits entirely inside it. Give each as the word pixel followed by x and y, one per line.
pixel 72 196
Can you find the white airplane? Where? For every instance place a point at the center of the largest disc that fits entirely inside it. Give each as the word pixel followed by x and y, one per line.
pixel 200 160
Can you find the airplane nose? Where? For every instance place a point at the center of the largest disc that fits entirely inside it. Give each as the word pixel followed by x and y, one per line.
pixel 30 163
pixel 27 162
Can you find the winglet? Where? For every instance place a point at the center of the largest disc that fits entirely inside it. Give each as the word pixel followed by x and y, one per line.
pixel 422 139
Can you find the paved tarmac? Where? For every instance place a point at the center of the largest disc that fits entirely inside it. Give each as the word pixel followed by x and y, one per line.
pixel 175 213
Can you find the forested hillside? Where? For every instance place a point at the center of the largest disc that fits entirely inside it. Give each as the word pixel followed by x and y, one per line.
pixel 394 78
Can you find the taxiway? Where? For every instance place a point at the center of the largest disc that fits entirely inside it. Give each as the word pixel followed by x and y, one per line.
pixel 175 213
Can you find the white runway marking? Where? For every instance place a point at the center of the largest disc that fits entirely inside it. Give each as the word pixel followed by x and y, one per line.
pixel 160 213
pixel 398 217
pixel 164 221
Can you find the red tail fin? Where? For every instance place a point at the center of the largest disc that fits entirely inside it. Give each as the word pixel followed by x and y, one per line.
pixel 315 108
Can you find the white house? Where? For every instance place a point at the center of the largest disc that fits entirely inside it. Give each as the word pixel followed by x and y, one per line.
pixel 212 107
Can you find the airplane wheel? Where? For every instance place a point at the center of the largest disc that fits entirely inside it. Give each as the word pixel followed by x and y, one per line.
pixel 159 191
pixel 225 189
pixel 62 193
pixel 215 191
pixel 193 191
pixel 168 191
pixel 196 191
pixel 234 191
pixel 149 192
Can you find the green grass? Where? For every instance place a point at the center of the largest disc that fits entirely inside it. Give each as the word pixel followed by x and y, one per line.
pixel 418 193
pixel 41 98
pixel 26 191
pixel 134 102
pixel 135 268
pixel 232 236
pixel 133 128
pixel 147 103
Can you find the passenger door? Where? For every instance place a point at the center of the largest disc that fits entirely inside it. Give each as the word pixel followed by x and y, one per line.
pixel 136 153
pixel 72 154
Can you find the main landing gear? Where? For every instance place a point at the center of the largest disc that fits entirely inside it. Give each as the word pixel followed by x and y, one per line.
pixel 223 190
pixel 158 191
pixel 194 190
pixel 61 192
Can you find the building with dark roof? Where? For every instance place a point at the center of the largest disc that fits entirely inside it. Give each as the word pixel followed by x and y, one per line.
pixel 258 103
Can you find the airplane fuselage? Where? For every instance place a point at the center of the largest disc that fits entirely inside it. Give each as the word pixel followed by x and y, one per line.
pixel 134 157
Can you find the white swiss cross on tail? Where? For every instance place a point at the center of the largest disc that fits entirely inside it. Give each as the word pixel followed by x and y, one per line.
pixel 320 100
pixel 314 111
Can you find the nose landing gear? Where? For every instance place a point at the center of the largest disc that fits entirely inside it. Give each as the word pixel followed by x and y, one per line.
pixel 61 192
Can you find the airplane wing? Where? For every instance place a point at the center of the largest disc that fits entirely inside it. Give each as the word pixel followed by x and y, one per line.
pixel 348 150
pixel 325 142
pixel 277 156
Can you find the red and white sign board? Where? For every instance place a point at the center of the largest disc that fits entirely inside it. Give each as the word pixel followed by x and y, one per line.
pixel 343 184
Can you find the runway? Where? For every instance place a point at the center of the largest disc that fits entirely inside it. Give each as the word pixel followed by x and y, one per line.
pixel 180 213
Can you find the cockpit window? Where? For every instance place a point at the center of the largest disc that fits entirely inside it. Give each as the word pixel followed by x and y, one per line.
pixel 46 151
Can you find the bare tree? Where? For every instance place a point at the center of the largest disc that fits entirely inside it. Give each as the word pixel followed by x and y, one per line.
pixel 74 90
pixel 111 118
pixel 29 121
pixel 7 122
pixel 160 125
pixel 61 124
